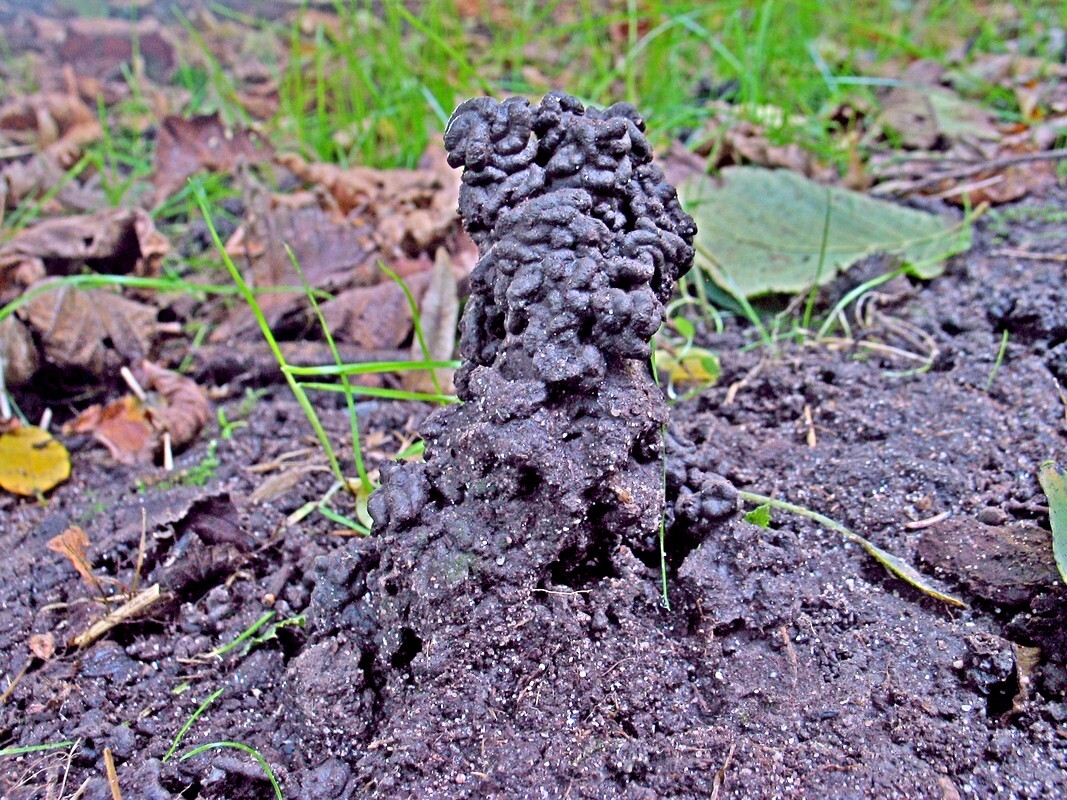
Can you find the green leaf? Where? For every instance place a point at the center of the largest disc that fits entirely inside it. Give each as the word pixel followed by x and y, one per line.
pixel 760 231
pixel 1054 482
pixel 761 515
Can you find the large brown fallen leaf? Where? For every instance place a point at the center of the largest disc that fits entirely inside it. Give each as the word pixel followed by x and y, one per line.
pixel 121 241
pixel 133 431
pixel 186 146
pixel 93 331
pixel 31 461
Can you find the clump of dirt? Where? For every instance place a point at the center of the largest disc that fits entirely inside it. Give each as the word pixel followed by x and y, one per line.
pixel 547 482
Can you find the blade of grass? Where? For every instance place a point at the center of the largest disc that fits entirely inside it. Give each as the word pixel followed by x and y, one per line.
pixel 244 748
pixel 810 307
pixel 353 418
pixel 189 722
pixel 264 327
pixel 999 360
pixel 246 634
pixel 33 748
pixel 415 318
pixel 368 368
pixel 380 391
pixel 896 566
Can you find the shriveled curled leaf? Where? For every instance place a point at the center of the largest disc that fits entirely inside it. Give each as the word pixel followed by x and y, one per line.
pixel 1054 483
pixel 43 645
pixel 761 231
pixel 31 461
pixel 74 544
pixel 122 426
pixel 132 431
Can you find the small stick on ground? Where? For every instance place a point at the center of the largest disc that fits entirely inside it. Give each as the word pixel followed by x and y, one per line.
pixel 134 384
pixel 112 776
pixel 46 420
pixel 128 610
pixel 140 552
pixel 720 774
pixel 1030 255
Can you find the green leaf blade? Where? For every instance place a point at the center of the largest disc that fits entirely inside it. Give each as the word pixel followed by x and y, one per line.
pixel 761 231
pixel 1054 483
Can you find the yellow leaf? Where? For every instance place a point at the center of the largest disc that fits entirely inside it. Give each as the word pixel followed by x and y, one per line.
pixel 31 461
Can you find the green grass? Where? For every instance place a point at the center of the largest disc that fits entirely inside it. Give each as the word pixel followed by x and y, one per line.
pixel 378 86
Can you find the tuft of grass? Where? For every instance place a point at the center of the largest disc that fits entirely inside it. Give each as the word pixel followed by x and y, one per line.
pixel 295 376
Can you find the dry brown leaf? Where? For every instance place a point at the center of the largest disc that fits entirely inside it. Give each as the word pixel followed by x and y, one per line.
pixel 74 544
pixel 94 331
pixel 186 146
pixel 438 315
pixel 119 241
pixel 99 47
pixel 57 122
pixel 43 645
pixel 374 317
pixel 411 210
pixel 42 178
pixel 184 410
pixel 122 426
pixel 735 142
pixel 18 353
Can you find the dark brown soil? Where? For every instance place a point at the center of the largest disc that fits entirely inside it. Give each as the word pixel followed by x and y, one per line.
pixel 790 664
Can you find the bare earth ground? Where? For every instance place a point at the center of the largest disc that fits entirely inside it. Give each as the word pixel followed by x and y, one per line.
pixel 790 664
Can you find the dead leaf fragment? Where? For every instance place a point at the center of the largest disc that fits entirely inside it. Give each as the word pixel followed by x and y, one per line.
pixel 122 426
pixel 57 123
pixel 93 331
pixel 43 645
pixel 438 315
pixel 132 431
pixel 31 461
pixel 18 353
pixel 184 409
pixel 74 544
pixel 187 146
pixel 99 47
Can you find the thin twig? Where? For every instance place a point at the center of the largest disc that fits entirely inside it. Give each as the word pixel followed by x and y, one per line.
pixel 969 172
pixel 1031 255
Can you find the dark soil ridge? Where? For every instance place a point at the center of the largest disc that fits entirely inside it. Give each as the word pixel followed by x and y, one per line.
pixel 788 661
